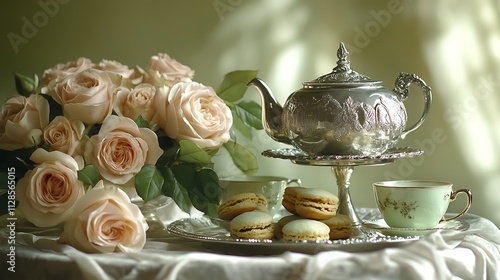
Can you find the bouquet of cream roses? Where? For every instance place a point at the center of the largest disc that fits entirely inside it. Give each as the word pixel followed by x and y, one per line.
pixel 80 139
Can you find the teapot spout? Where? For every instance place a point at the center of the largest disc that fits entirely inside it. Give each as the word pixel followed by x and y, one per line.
pixel 271 112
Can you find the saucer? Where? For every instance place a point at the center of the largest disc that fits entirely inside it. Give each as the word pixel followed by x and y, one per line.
pixel 381 226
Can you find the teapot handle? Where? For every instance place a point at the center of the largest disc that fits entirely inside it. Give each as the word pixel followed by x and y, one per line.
pixel 402 90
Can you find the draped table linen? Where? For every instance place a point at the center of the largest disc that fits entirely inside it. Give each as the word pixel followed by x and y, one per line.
pixel 447 254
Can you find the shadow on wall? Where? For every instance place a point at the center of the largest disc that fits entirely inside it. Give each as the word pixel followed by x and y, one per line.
pixel 460 48
pixel 464 58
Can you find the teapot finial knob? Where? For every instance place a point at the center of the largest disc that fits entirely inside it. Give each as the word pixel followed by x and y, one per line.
pixel 342 52
pixel 342 73
pixel 342 64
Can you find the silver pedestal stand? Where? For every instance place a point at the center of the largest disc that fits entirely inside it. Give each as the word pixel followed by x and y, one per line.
pixel 342 167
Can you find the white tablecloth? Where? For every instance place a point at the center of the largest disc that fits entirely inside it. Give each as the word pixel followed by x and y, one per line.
pixel 472 254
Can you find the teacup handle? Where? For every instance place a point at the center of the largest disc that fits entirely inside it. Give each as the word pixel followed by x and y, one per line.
pixel 293 182
pixel 452 198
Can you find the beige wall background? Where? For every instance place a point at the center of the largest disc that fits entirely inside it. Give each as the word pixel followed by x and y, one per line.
pixel 453 45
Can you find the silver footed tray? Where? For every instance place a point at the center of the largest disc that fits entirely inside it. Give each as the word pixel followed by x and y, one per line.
pixel 214 235
pixel 300 157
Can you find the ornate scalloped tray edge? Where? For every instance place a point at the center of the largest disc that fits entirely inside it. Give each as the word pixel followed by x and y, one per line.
pixel 214 235
pixel 299 157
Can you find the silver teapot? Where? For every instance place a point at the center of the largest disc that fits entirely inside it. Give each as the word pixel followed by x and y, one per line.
pixel 342 113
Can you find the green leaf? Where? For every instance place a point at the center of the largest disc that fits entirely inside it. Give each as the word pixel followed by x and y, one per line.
pixel 239 125
pixel 148 182
pixel 190 152
pixel 244 159
pixel 212 210
pixel 172 188
pixel 250 113
pixel 26 85
pixel 142 122
pixel 207 187
pixel 212 152
pixel 166 142
pixel 234 84
pixel 168 157
pixel 55 108
pixel 202 186
pixel 89 175
pixel 18 159
pixel 184 173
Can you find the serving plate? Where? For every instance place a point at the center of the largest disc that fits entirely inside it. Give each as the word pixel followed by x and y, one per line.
pixel 380 225
pixel 214 235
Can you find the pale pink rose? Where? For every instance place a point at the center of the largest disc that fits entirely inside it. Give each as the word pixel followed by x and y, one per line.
pixel 164 70
pixel 22 121
pixel 87 96
pixel 115 67
pixel 105 221
pixel 135 102
pixel 55 74
pixel 192 111
pixel 121 149
pixel 48 192
pixel 64 135
pixel 139 76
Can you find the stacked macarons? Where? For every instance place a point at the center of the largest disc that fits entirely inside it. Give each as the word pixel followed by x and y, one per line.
pixel 249 216
pixel 314 216
pixel 241 203
pixel 311 203
pixel 252 225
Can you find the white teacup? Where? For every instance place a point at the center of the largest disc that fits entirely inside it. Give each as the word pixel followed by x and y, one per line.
pixel 271 187
pixel 416 203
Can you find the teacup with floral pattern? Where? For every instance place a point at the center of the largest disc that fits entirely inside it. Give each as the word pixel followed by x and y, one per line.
pixel 416 203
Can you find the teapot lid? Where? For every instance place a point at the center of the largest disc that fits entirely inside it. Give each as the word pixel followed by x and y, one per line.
pixel 342 75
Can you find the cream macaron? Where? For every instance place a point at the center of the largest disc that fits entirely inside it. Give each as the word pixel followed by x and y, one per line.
pixel 282 222
pixel 340 226
pixel 305 230
pixel 289 198
pixel 237 204
pixel 315 203
pixel 252 225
